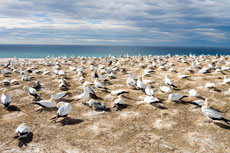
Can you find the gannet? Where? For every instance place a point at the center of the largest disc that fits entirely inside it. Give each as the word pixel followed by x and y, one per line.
pixel 198 102
pixel 193 93
pixel 112 75
pixel 14 82
pixel 212 113
pixel 98 84
pixel 63 111
pixel 101 77
pixel 82 79
pixel 96 105
pixel 91 67
pixel 118 92
pixel 37 86
pixel 6 99
pixel 151 99
pixel 165 89
pixel 22 131
pixel 58 96
pixel 5 72
pixel 6 82
pixel 169 82
pixel 183 76
pixel 226 79
pixel 86 93
pixel 25 76
pixel 131 83
pixel 176 96
pixel 210 85
pixel 140 83
pixel 31 91
pixel 149 90
pixel 46 103
pixel 119 103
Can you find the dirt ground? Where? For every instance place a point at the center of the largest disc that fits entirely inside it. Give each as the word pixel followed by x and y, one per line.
pixel 180 127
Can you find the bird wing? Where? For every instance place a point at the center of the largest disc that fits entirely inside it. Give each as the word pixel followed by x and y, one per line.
pixel 64 109
pixel 32 91
pixel 211 113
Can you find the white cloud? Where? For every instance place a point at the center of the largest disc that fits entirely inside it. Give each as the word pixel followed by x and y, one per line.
pixel 162 22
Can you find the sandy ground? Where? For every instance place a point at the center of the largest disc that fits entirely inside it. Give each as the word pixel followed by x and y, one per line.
pixel 180 127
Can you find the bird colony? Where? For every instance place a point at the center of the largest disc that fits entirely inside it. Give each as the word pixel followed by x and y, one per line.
pixel 115 104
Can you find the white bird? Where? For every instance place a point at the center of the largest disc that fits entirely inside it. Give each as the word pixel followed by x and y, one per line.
pixel 198 102
pixel 98 84
pixel 131 83
pixel 183 76
pixel 31 91
pixel 210 85
pixel 58 96
pixel 6 82
pixel 212 113
pixel 149 90
pixel 176 97
pixel 151 99
pixel 14 82
pixel 118 92
pixel 119 102
pixel 165 89
pixel 85 96
pixel 5 72
pixel 193 93
pixel 169 82
pixel 6 99
pixel 91 68
pixel 101 77
pixel 112 75
pixel 226 79
pixel 22 131
pixel 63 111
pixel 46 104
pixel 96 105
pixel 140 83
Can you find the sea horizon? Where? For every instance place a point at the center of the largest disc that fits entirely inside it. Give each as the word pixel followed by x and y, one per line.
pixel 44 50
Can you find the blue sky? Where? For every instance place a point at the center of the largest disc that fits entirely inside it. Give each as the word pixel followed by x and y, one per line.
pixel 116 22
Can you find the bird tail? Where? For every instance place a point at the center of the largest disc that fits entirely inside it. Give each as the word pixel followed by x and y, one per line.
pixel 226 120
pixel 173 86
pixel 37 97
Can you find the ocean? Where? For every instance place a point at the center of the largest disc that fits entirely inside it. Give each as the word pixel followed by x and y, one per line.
pixel 41 51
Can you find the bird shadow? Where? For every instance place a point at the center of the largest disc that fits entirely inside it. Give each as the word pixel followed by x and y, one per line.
pixel 101 110
pixel 46 109
pixel 176 89
pixel 109 83
pixel 24 141
pixel 200 97
pixel 13 108
pixel 182 102
pixel 70 121
pixel 217 90
pixel 66 100
pixel 224 126
pixel 121 107
pixel 158 105
pixel 127 97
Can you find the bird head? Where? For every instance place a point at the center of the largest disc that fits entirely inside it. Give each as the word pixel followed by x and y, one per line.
pixel 120 96
pixel 139 77
pixel 60 104
pixel 25 87
pixel 5 92
pixel 207 103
